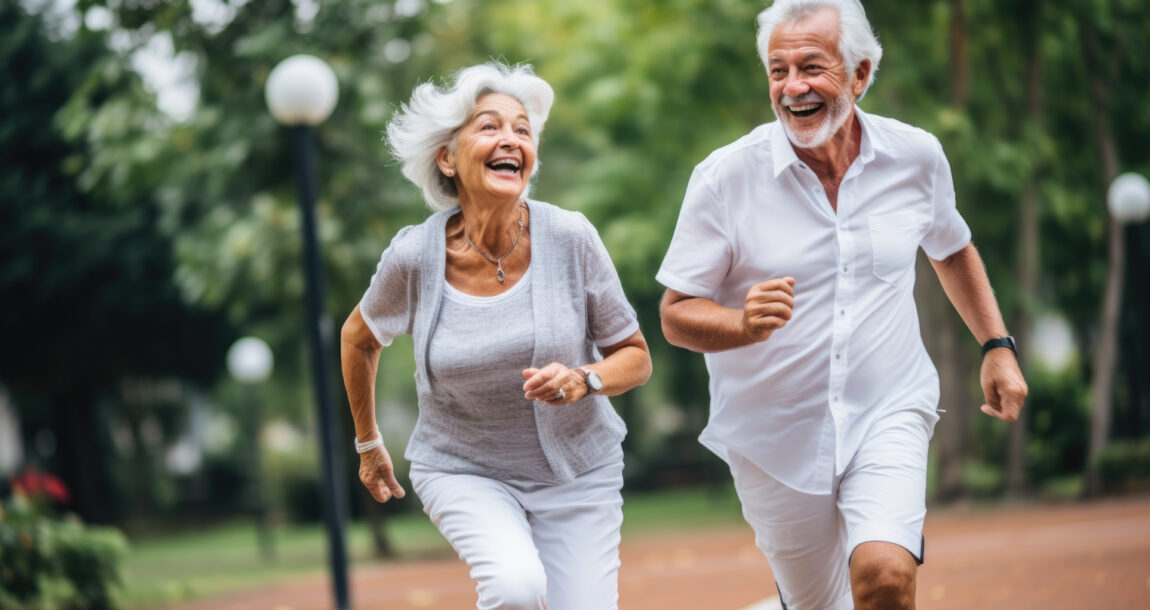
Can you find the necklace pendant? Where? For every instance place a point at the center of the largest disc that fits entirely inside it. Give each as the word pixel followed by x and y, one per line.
pixel 498 261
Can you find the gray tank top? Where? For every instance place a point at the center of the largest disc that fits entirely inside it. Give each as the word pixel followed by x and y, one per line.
pixel 476 358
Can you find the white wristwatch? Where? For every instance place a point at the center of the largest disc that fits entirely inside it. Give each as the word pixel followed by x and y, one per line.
pixel 592 380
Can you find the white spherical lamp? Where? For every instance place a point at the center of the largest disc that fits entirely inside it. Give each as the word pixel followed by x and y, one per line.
pixel 1129 198
pixel 250 360
pixel 301 90
pixel 1052 342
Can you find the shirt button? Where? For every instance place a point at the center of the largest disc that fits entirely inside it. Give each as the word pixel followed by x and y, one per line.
pixel 838 356
pixel 842 312
pixel 844 268
pixel 836 398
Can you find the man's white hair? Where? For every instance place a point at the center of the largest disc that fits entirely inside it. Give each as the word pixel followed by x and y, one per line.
pixel 431 120
pixel 857 40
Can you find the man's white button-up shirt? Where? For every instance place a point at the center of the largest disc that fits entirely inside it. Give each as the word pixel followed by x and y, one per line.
pixel 798 404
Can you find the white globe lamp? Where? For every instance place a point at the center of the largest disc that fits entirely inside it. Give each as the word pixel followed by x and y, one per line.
pixel 1129 198
pixel 250 360
pixel 1052 342
pixel 301 90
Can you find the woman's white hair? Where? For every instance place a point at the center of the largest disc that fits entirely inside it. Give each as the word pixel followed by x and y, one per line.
pixel 431 120
pixel 857 40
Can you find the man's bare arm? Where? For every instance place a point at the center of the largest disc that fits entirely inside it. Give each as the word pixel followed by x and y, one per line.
pixel 702 325
pixel 964 280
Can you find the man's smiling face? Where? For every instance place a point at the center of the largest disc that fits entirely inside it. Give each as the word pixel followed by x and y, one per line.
pixel 811 89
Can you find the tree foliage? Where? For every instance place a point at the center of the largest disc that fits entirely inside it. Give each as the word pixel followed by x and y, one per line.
pixel 87 276
pixel 202 210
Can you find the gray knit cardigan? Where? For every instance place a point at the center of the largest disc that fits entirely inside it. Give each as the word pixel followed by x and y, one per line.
pixel 567 260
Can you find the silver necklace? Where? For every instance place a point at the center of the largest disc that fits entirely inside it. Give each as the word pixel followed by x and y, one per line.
pixel 498 261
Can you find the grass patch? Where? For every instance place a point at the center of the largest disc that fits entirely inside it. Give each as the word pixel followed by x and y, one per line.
pixel 1067 487
pixel 182 567
pixel 654 513
pixel 174 568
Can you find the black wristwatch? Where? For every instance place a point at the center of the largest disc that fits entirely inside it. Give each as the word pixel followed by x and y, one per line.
pixel 1006 341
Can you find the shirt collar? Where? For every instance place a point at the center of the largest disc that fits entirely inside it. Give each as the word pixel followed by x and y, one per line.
pixel 783 153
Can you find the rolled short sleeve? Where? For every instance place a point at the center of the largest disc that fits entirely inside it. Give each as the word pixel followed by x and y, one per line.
pixel 948 232
pixel 700 252
pixel 388 305
pixel 610 317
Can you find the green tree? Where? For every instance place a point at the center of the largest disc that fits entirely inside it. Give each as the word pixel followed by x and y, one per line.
pixel 644 92
pixel 86 284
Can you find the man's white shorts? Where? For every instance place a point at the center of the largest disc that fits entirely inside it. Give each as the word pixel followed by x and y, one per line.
pixel 808 539
pixel 532 545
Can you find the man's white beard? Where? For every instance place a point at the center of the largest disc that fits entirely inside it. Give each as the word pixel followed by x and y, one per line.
pixel 837 113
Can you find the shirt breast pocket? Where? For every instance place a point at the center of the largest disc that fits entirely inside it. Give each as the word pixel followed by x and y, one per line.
pixel 894 241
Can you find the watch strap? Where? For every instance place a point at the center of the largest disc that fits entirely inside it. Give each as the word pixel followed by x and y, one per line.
pixel 1007 342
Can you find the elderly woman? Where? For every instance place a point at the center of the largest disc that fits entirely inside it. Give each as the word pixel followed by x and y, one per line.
pixel 521 332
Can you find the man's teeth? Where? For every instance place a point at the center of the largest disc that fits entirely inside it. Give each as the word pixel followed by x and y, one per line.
pixel 804 107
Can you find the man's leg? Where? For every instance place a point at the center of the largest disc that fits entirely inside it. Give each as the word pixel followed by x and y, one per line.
pixel 882 497
pixel 802 536
pixel 883 576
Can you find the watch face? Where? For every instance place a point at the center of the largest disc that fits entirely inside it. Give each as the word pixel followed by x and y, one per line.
pixel 593 381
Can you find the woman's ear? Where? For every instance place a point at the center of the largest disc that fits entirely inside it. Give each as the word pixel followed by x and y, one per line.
pixel 446 162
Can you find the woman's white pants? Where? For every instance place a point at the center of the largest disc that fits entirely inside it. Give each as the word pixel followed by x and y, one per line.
pixel 532 545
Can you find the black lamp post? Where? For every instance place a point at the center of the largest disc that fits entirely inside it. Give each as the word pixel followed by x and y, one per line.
pixel 301 92
pixel 1128 201
pixel 250 362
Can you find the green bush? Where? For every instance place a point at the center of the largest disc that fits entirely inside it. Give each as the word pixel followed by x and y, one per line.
pixel 1125 464
pixel 1058 418
pixel 56 564
pixel 294 485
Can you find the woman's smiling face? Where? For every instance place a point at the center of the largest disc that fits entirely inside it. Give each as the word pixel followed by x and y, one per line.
pixel 494 151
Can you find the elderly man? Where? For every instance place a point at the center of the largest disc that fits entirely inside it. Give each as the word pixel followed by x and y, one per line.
pixel 792 268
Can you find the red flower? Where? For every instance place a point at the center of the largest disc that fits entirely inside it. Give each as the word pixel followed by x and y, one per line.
pixel 55 488
pixel 34 483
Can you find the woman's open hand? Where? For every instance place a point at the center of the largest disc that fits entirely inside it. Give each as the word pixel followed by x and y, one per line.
pixel 378 475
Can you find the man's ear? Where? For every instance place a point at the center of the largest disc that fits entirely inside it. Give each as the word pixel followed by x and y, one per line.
pixel 861 78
